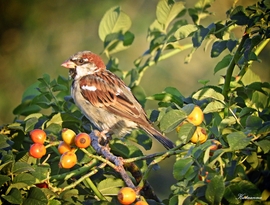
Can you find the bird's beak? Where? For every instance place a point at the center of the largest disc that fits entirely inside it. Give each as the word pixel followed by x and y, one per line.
pixel 69 64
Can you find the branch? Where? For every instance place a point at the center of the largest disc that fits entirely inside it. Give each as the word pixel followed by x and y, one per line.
pixel 118 161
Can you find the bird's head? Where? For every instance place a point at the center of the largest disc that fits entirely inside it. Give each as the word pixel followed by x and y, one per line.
pixel 84 63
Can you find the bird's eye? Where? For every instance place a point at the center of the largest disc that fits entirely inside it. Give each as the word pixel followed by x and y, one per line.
pixel 81 61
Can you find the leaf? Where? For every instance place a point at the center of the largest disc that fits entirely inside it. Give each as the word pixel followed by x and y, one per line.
pixel 250 77
pixel 185 132
pixel 238 140
pixel 4 141
pixel 199 36
pixel 20 167
pixel 36 197
pixel 30 124
pixel 171 119
pixel 184 31
pixel 217 48
pixel 253 160
pixel 239 16
pixel 142 139
pixel 110 186
pixel 14 196
pixel 206 93
pixel 223 63
pixel 168 10
pixel 25 108
pixel 113 21
pixel 236 192
pixel 116 42
pixel 165 97
pixel 231 44
pixel 214 106
pixel 264 144
pixel 265 129
pixel 253 122
pixel 40 172
pixel 25 178
pixel 173 91
pixel 67 195
pixel 61 118
pixel 3 179
pixel 215 190
pixel 182 167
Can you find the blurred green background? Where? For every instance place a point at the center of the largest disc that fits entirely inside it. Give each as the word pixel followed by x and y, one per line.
pixel 37 36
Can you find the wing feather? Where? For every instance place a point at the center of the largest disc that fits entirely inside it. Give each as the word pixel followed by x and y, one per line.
pixel 111 93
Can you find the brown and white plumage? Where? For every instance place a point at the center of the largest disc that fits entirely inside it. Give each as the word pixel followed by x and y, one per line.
pixel 105 99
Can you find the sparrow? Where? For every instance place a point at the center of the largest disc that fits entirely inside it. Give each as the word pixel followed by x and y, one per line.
pixel 105 99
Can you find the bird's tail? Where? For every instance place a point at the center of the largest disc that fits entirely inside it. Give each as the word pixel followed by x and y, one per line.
pixel 166 142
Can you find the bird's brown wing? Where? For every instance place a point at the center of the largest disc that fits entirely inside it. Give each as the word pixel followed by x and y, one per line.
pixel 105 89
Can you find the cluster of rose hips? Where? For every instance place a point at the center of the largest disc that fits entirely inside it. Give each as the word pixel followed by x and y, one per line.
pixel 196 117
pixel 37 149
pixel 68 159
pixel 66 148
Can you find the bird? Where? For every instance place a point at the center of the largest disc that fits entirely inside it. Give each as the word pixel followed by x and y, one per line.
pixel 105 100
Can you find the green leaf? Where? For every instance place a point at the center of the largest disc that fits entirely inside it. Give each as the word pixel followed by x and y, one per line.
pixel 116 42
pixel 236 192
pixel 3 179
pixel 253 122
pixel 36 197
pixel 14 196
pixel 168 10
pixel 228 121
pixel 63 119
pixel 231 44
pixel 199 36
pixel 170 94
pixel 54 202
pixel 173 91
pixel 68 195
pixel 206 93
pixel 21 181
pixel 182 167
pixel 113 21
pixel 171 120
pixel 25 108
pixel 214 106
pixel 30 92
pixel 238 140
pixel 223 63
pixel 124 148
pixel 253 160
pixel 250 77
pixel 142 139
pixel 110 186
pixel 185 132
pixel 217 48
pixel 239 16
pixel 30 124
pixel 40 172
pixel 265 128
pixel 215 190
pixel 185 31
pixel 4 141
pixel 264 144
pixel 20 167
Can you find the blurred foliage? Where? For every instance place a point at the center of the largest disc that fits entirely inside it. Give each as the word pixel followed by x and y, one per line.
pixel 36 36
